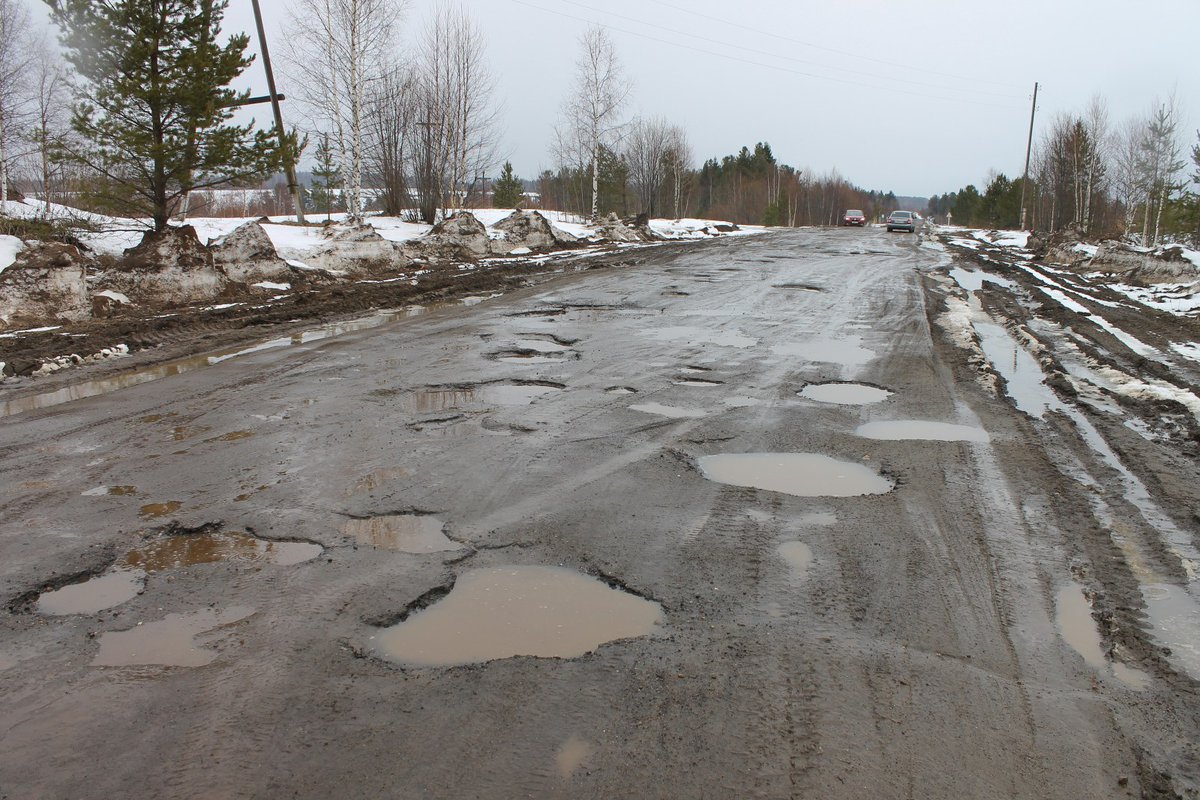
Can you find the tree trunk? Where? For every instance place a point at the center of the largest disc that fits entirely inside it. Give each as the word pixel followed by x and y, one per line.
pixel 595 182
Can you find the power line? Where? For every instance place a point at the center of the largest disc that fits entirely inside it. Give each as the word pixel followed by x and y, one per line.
pixel 841 69
pixel 876 85
pixel 814 45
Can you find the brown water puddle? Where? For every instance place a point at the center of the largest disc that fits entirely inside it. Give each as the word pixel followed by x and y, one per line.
pixel 1073 616
pixel 800 474
pixel 92 595
pixel 501 612
pixel 408 533
pixel 845 394
pixel 232 436
pixel 155 510
pixel 169 642
pixel 911 429
pixel 798 556
pixel 181 433
pixel 571 755
pixel 118 491
pixel 187 550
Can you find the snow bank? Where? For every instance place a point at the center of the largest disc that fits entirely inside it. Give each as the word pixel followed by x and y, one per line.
pixel 9 247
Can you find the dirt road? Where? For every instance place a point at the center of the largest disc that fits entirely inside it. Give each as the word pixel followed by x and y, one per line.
pixel 903 611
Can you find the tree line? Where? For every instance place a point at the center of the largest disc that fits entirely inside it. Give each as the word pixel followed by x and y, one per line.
pixel 133 115
pixel 1129 180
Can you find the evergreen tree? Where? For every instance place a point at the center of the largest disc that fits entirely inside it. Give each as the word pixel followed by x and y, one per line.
pixel 326 175
pixel 508 190
pixel 154 102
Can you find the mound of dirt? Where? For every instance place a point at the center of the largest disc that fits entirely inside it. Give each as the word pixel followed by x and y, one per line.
pixel 356 250
pixel 168 268
pixel 636 229
pixel 459 237
pixel 247 255
pixel 532 230
pixel 47 283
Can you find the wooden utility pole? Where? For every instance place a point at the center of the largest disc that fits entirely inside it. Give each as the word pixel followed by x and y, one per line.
pixel 289 166
pixel 1029 149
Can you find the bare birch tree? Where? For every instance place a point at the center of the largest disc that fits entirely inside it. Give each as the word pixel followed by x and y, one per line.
pixel 391 111
pixel 1128 182
pixel 15 56
pixel 337 49
pixel 597 97
pixel 50 103
pixel 646 150
pixel 679 166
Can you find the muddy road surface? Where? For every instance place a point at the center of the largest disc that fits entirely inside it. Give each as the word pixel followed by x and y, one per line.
pixel 771 517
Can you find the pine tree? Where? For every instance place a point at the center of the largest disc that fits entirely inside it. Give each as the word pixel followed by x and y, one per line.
pixel 508 190
pixel 154 102
pixel 326 176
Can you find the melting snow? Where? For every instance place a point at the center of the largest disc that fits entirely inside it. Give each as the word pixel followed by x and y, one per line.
pixel 9 247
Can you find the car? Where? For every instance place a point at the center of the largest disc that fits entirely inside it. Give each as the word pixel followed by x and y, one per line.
pixel 902 221
pixel 854 217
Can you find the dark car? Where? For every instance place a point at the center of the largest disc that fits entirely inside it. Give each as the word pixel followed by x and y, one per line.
pixel 854 217
pixel 902 221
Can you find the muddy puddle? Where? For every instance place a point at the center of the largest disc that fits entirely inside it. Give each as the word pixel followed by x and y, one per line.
pixel 674 412
pixel 526 357
pixel 1023 376
pixel 800 474
pixel 95 388
pixel 501 612
pixel 921 429
pixel 1073 617
pixel 127 576
pixel 114 491
pixel 408 533
pixel 845 394
pixel 169 642
pixel 1174 617
pixel 798 556
pixel 502 393
pixel 155 510
pixel 846 350
pixel 973 280
pixel 571 755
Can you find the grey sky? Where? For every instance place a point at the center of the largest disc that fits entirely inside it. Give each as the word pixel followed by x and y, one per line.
pixel 916 96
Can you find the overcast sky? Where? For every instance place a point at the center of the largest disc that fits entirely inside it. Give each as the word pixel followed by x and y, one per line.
pixel 915 96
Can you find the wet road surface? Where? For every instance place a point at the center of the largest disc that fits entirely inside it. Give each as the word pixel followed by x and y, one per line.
pixel 737 584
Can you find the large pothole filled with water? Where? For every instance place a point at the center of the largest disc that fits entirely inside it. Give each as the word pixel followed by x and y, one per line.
pixel 502 393
pixel 127 575
pixel 844 393
pixel 909 429
pixel 800 474
pixel 408 533
pixel 502 612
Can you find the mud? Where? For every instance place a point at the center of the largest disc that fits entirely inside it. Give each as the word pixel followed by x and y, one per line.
pixel 901 643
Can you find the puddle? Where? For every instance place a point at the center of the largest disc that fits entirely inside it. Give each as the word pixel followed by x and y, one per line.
pixel 92 595
pixel 155 510
pixel 461 425
pixel 674 412
pixel 408 533
pixel 1175 623
pixel 696 335
pixel 514 357
pixel 542 345
pixel 1073 616
pixel 169 642
pixel 571 755
pixel 500 612
pixel 845 394
pixel 620 390
pixel 697 382
pixel 94 388
pixel 118 491
pixel 847 350
pixel 973 280
pixel 905 429
pixel 1025 381
pixel 800 474
pixel 500 393
pixel 798 555
pixel 190 549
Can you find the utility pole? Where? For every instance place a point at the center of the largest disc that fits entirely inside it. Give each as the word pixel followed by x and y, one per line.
pixel 1029 149
pixel 289 167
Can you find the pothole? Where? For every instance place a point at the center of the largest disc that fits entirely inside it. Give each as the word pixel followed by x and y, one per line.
pixel 800 474
pixel 434 399
pixel 408 533
pixel 674 412
pixel 525 356
pixel 94 594
pixel 502 612
pixel 697 382
pixel 907 429
pixel 845 394
pixel 169 642
pixel 620 390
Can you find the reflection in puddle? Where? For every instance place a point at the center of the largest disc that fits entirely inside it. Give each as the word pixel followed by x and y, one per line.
pixel 408 533
pixel 1023 376
pixel 186 550
pixel 798 555
pixel 846 350
pixel 501 612
pixel 169 642
pixel 1175 619
pixel 673 412
pixel 800 474
pixel 696 335
pixel 1073 616
pixel 152 510
pixel 905 429
pixel 573 752
pixel 92 595
pixel 845 394
pixel 500 393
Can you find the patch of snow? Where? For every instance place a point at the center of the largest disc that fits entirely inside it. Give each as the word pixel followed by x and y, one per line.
pixel 1180 299
pixel 14 334
pixel 112 295
pixel 279 287
pixel 1087 249
pixel 518 251
pixel 9 247
pixel 1189 350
